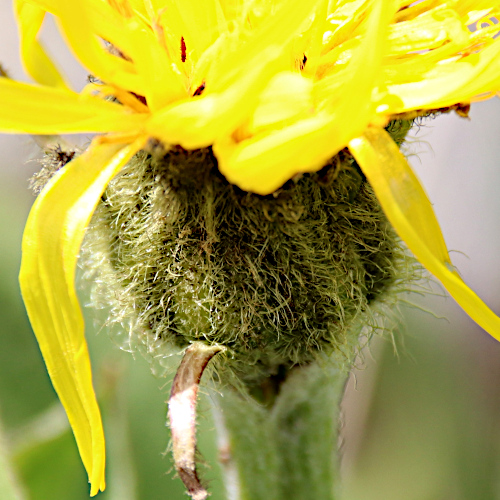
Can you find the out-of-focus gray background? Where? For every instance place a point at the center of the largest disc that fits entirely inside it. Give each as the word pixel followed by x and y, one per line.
pixel 422 424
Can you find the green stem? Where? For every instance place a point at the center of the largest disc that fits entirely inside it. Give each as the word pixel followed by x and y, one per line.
pixel 9 488
pixel 287 451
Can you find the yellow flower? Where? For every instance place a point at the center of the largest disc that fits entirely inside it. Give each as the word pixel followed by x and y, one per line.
pixel 276 87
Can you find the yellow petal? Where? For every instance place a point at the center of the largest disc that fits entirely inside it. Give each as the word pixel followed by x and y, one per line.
pixel 51 242
pixel 234 83
pixel 233 9
pixel 265 162
pixel 198 122
pixel 36 61
pixel 33 109
pixel 287 97
pixel 199 25
pixel 244 48
pixel 429 30
pixel 367 60
pixel 84 26
pixel 314 37
pixel 262 164
pixel 408 209
pixel 163 83
pixel 139 7
pixel 472 10
pixel 449 83
pixel 126 98
pixel 141 42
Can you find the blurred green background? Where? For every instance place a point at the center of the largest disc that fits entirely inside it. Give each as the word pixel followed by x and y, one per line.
pixel 420 424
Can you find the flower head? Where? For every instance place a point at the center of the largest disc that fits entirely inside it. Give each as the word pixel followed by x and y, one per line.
pixel 275 87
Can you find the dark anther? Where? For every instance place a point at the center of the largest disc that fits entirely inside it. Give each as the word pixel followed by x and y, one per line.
pixel 140 98
pixel 183 50
pixel 200 89
pixel 303 62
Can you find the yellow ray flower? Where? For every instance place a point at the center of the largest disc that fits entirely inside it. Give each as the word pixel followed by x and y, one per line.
pixel 47 284
pixel 276 87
